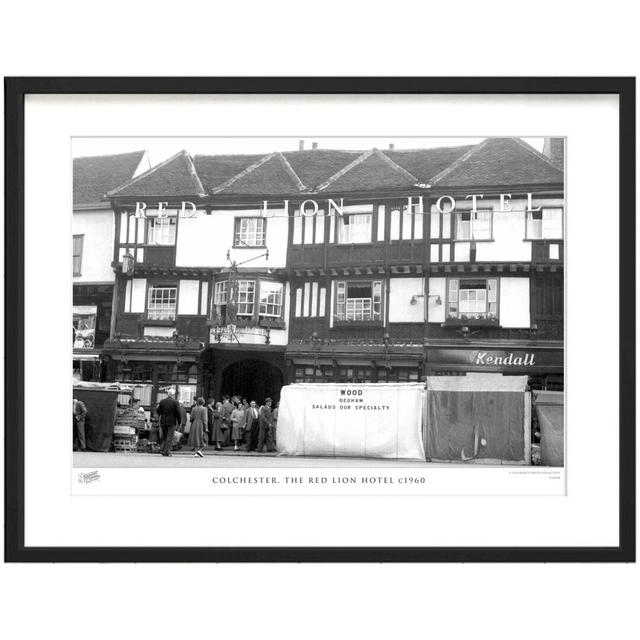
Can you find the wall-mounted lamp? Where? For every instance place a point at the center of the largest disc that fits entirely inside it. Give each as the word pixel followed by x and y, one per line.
pixel 128 263
pixel 414 298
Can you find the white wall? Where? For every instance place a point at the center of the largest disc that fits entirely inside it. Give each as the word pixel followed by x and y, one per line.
pixel 437 287
pixel 203 240
pixel 514 303
pixel 400 292
pixel 508 243
pixel 97 250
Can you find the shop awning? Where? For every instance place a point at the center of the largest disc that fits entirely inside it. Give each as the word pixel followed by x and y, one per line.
pixel 549 407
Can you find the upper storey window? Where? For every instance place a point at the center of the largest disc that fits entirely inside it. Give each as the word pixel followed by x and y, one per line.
pixel 162 231
pixel 545 224
pixel 355 228
pixel 249 232
pixel 476 225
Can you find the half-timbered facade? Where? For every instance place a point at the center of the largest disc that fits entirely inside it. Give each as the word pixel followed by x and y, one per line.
pixel 93 276
pixel 237 274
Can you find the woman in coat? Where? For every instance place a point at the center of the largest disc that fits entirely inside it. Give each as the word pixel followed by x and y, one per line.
pixel 218 433
pixel 238 421
pixel 198 430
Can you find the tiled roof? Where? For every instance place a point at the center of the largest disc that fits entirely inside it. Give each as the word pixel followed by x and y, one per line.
pixel 370 168
pixel 215 170
pixel 499 161
pixel 272 174
pixel 495 161
pixel 94 176
pixel 173 177
pixel 424 164
pixel 315 166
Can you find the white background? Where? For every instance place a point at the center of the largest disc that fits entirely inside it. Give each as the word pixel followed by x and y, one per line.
pixel 403 601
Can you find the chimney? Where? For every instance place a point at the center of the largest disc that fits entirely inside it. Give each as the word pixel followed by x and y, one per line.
pixel 554 150
pixel 314 145
pixel 391 146
pixel 301 145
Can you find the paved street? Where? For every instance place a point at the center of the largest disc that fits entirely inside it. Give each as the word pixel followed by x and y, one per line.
pixel 182 459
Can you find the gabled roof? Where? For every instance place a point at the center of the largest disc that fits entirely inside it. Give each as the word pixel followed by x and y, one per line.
pixel 372 168
pixel 272 174
pixel 315 166
pixel 94 176
pixel 175 176
pixel 499 161
pixel 215 170
pixel 424 164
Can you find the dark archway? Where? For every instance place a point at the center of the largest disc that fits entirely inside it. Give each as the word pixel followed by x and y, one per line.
pixel 252 379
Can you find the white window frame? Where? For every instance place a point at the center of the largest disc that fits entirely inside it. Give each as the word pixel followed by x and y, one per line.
pixel 246 298
pixel 271 297
pixel 544 230
pixel 166 308
pixel 162 231
pixel 220 293
pixel 249 231
pixel 358 309
pixel 480 225
pixel 346 234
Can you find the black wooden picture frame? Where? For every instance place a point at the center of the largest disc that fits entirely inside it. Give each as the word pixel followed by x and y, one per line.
pixel 16 395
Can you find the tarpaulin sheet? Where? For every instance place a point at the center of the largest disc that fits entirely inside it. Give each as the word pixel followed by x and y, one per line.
pixel 351 420
pixel 101 415
pixel 478 416
pixel 549 407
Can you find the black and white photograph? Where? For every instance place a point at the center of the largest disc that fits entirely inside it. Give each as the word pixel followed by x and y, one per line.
pixel 301 302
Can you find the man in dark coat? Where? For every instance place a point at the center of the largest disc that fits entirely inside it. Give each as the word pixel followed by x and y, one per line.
pixel 79 416
pixel 170 415
pixel 265 428
pixel 251 430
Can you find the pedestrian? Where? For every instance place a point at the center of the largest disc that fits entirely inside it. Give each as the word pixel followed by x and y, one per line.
pixel 251 428
pixel 218 431
pixel 227 409
pixel 210 407
pixel 79 418
pixel 265 428
pixel 171 416
pixel 238 422
pixel 274 420
pixel 198 430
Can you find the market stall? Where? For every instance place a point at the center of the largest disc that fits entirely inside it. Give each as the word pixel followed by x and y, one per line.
pixel 549 411
pixel 352 420
pixel 480 417
pixel 101 401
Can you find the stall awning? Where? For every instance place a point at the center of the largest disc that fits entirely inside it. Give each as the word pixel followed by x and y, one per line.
pixel 549 407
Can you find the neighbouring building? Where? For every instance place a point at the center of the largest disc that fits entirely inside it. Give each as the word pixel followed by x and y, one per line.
pixel 93 234
pixel 238 274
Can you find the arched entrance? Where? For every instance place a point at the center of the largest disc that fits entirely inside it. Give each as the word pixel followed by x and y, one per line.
pixel 252 379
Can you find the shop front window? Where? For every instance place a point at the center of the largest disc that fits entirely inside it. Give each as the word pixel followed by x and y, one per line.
pixel 84 326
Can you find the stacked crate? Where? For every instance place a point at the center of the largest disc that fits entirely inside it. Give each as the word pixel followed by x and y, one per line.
pixel 124 432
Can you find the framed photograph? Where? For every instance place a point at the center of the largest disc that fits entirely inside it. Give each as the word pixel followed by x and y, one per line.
pixel 320 319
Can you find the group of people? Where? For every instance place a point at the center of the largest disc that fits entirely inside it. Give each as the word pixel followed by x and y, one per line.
pixel 232 421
